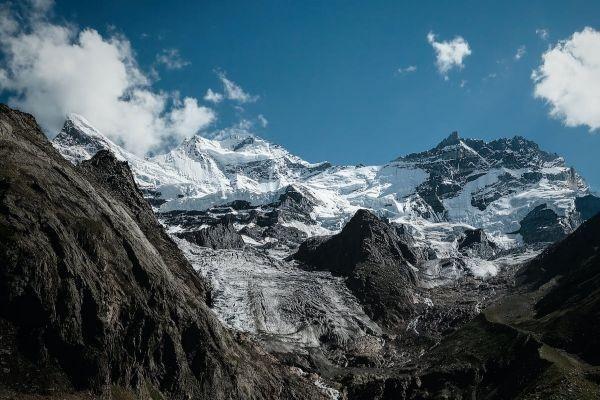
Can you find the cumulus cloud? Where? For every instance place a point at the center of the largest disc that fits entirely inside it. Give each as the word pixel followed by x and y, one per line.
pixel 171 59
pixel 188 116
pixel 542 33
pixel 449 54
pixel 520 52
pixel 52 69
pixel 407 70
pixel 568 79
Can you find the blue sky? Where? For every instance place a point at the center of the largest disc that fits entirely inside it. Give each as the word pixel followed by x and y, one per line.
pixel 326 73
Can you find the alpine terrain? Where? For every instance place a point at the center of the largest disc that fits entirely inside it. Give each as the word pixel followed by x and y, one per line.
pixel 228 267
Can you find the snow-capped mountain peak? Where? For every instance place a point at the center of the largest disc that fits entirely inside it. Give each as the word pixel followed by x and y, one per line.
pixel 78 140
pixel 236 147
pixel 493 185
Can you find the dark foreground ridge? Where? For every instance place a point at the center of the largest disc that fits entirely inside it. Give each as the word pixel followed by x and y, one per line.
pixel 96 300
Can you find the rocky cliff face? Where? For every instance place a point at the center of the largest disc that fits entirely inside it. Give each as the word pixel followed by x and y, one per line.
pixel 567 276
pixel 475 242
pixel 94 296
pixel 220 235
pixel 375 262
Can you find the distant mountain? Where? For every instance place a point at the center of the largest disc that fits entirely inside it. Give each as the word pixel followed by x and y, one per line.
pixel 511 188
pixel 78 140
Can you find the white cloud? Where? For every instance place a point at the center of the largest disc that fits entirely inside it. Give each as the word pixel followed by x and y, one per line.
pixel 262 120
pixel 569 79
pixel 542 33
pixel 53 69
pixel 188 116
pixel 234 92
pixel 171 59
pixel 244 124
pixel 213 97
pixel 407 70
pixel 449 54
pixel 231 91
pixel 520 52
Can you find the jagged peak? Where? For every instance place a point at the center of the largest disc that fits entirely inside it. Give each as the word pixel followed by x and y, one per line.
pixel 231 139
pixel 81 125
pixel 452 139
pixel 79 140
pixel 512 149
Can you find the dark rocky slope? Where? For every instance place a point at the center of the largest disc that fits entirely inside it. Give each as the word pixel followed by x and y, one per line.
pixel 377 265
pixel 96 300
pixel 221 235
pixel 567 277
pixel 538 342
pixel 542 225
pixel 587 206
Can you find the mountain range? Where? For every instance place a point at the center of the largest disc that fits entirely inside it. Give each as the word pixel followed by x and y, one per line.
pixel 230 268
pixel 506 187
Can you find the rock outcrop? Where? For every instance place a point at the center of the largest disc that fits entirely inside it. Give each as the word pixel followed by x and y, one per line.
pixel 376 264
pixel 475 242
pixel 542 225
pixel 96 298
pixel 221 235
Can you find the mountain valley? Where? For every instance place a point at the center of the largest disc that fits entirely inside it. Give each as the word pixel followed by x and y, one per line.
pixel 230 268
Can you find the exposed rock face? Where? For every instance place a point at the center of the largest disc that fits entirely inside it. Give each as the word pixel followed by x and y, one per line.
pixel 476 243
pixel 265 224
pixel 93 291
pixel 376 263
pixel 539 341
pixel 542 225
pixel 465 160
pixel 293 205
pixel 222 235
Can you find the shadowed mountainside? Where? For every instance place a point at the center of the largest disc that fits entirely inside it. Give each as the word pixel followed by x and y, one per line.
pixel 96 299
pixel 376 263
pixel 538 342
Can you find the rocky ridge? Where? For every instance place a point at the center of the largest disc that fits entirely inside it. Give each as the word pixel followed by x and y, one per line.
pixel 375 263
pixel 96 299
pixel 461 182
